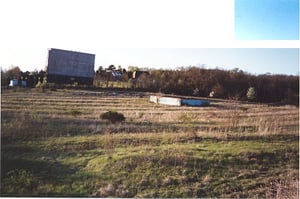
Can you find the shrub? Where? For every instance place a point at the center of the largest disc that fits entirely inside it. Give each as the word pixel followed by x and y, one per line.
pixel 112 116
pixel 40 84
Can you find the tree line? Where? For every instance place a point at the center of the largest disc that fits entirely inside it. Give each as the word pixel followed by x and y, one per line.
pixel 232 84
pixel 190 81
pixel 226 84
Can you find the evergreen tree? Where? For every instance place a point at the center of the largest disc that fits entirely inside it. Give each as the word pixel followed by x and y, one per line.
pixel 251 93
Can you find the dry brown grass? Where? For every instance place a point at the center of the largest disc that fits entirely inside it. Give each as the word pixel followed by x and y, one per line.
pixel 288 188
pixel 220 119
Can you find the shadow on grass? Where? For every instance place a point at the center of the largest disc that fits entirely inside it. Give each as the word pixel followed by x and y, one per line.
pixel 38 172
pixel 217 175
pixel 22 177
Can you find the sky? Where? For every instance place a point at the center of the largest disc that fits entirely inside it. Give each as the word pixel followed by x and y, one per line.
pixel 251 60
pixel 146 33
pixel 267 19
pixel 115 23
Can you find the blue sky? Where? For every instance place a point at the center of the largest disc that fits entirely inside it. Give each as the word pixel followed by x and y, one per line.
pixel 267 19
pixel 252 60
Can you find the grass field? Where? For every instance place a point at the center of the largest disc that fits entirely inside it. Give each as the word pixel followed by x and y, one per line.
pixel 53 143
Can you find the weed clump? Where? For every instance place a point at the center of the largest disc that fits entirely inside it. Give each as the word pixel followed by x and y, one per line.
pixel 112 116
pixel 111 191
